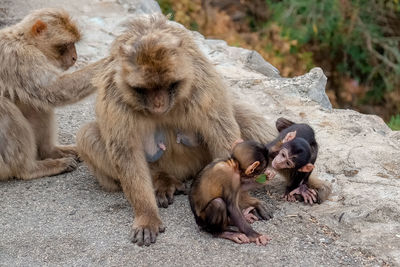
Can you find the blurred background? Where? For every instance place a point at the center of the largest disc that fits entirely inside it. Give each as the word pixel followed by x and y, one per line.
pixel 355 42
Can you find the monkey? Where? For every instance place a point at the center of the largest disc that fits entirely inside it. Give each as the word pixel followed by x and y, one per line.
pixel 215 193
pixel 33 55
pixel 294 153
pixel 155 76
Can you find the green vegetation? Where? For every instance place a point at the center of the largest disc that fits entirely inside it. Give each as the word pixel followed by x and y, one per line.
pixel 360 37
pixel 394 123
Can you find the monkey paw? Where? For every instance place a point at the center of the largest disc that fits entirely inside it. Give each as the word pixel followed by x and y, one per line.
pixel 236 237
pixel 250 217
pixel 262 212
pixel 146 235
pixel 165 188
pixel 260 240
pixel 309 195
pixel 69 164
pixel 64 152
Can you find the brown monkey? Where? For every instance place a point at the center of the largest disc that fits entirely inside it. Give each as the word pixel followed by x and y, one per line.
pixel 155 77
pixel 215 193
pixel 294 153
pixel 33 54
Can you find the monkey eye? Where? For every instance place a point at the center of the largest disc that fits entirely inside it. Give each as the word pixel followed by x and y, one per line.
pixel 139 90
pixel 288 163
pixel 173 86
pixel 61 49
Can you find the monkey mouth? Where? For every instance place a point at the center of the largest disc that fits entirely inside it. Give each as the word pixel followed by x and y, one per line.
pixel 273 164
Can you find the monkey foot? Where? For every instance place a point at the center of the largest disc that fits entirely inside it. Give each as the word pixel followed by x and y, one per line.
pixel 236 237
pixel 261 240
pixel 165 188
pixel 250 217
pixel 309 195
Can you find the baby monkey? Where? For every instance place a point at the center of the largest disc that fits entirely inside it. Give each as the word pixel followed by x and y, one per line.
pixel 215 193
pixel 294 153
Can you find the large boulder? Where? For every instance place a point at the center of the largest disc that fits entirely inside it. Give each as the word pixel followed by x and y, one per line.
pixel 69 220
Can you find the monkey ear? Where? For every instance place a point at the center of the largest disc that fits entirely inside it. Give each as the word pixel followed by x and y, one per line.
pixel 252 167
pixel 307 168
pixel 38 27
pixel 289 137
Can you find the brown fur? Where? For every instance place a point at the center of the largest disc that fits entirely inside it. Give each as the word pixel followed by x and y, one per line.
pixel 152 54
pixel 31 86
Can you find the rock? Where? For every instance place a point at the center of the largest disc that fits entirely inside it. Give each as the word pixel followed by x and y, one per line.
pixel 69 220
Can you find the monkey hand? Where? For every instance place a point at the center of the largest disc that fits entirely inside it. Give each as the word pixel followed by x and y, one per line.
pixel 250 217
pixel 270 173
pixel 260 240
pixel 309 195
pixel 146 234
pixel 236 237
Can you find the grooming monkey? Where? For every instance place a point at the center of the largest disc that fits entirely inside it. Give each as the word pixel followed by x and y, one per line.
pixel 33 55
pixel 215 193
pixel 294 153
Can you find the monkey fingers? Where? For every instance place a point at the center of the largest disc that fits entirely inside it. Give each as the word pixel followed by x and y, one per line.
pixel 290 198
pixel 236 237
pixel 145 236
pixel 261 240
pixel 309 195
pixel 262 212
pixel 65 151
pixel 250 217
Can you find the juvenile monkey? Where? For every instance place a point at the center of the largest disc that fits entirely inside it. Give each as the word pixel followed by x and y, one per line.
pixel 294 153
pixel 33 55
pixel 215 193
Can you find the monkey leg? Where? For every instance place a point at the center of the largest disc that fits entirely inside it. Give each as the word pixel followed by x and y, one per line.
pixel 48 167
pixel 92 150
pixel 215 216
pixel 42 122
pixel 253 126
pixel 260 210
pixel 165 187
pixel 18 149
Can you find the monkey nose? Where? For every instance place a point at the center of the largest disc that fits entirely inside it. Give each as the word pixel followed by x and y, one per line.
pixel 74 59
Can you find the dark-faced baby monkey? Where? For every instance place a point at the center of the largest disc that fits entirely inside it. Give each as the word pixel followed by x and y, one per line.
pixel 215 193
pixel 294 153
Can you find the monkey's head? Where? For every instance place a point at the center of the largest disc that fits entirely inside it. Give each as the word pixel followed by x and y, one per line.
pixel 252 157
pixel 155 71
pixel 54 33
pixel 295 153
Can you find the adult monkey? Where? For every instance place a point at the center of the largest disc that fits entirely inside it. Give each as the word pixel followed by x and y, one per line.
pixel 33 54
pixel 155 77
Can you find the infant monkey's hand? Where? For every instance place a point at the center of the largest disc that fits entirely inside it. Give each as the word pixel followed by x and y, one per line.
pixel 270 173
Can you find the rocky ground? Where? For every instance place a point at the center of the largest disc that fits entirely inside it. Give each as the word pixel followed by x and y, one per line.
pixel 69 220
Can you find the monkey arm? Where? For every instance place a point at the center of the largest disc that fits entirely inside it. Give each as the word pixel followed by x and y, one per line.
pixel 124 147
pixel 71 87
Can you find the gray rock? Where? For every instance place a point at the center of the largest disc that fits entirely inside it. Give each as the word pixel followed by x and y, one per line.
pixel 68 220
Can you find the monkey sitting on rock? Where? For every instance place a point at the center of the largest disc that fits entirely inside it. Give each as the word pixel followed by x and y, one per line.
pixel 293 154
pixel 215 195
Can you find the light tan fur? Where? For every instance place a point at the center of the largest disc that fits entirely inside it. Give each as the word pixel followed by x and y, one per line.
pixel 153 53
pixel 33 55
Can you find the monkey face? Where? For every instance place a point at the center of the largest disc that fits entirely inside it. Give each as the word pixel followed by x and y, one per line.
pixel 67 55
pixel 283 160
pixel 156 101
pixel 294 155
pixel 155 72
